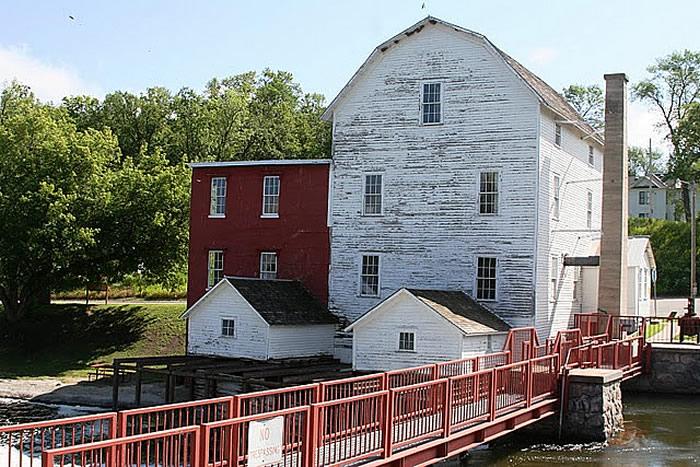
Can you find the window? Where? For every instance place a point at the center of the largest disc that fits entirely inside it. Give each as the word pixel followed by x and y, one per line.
pixel 268 265
pixel 407 341
pixel 217 199
pixel 643 198
pixel 556 192
pixel 589 210
pixel 643 284
pixel 271 196
pixel 554 277
pixel 228 327
pixel 577 285
pixel 431 104
pixel 591 156
pixel 557 134
pixel 369 276
pixel 372 204
pixel 488 193
pixel 215 269
pixel 643 215
pixel 486 278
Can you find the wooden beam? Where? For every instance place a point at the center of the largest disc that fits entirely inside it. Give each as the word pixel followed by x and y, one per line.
pixel 581 260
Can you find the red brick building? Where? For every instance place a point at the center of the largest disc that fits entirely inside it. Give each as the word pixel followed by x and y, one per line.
pixel 266 219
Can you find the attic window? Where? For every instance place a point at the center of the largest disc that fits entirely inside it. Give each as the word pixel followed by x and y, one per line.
pixel 431 103
pixel 557 134
pixel 407 341
pixel 228 327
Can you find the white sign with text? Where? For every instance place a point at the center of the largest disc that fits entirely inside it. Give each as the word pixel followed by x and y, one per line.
pixel 265 441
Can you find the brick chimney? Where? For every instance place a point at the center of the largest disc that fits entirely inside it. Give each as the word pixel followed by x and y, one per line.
pixel 612 280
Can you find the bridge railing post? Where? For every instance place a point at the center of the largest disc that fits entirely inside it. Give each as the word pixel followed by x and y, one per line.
pixel 493 394
pixel 447 409
pixel 388 425
pixel 529 373
pixel 313 429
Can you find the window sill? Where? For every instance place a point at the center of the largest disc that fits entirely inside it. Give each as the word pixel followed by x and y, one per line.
pixel 406 351
pixel 488 214
pixel 372 215
pixel 228 337
pixel 269 216
pixel 432 124
pixel 487 300
pixel 217 216
pixel 367 296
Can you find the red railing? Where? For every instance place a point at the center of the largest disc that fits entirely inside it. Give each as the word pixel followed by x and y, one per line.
pixel 515 342
pixel 172 448
pixel 417 412
pixel 22 445
pixel 349 387
pixel 277 399
pixel 471 398
pixel 409 376
pixel 165 417
pixel 226 442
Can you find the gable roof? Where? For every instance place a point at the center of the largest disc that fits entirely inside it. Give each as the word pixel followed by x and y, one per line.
pixel 282 302
pixel 544 92
pixel 649 181
pixel 458 308
pixel 278 302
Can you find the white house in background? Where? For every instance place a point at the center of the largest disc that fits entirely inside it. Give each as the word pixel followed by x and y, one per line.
pixel 653 197
pixel 455 168
pixel 413 327
pixel 641 272
pixel 259 319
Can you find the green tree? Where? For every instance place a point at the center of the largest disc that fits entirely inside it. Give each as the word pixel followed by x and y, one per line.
pixel 52 188
pixel 589 102
pixel 686 140
pixel 673 84
pixel 641 163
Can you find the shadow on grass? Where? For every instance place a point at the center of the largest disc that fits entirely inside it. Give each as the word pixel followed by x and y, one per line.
pixel 54 339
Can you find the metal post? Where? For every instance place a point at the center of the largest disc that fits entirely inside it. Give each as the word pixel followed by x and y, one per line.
pixel 115 385
pixel 693 249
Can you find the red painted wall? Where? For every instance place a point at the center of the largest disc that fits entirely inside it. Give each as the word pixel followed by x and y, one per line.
pixel 299 236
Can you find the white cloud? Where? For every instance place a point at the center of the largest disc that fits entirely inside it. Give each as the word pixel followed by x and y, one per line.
pixel 49 82
pixel 642 124
pixel 543 55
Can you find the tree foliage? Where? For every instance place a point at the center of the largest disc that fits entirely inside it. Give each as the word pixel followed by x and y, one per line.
pixel 673 84
pixel 671 243
pixel 641 162
pixel 686 140
pixel 589 102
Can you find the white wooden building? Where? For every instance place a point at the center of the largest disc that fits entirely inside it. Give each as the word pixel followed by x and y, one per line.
pixel 650 196
pixel 259 319
pixel 455 168
pixel 641 273
pixel 413 327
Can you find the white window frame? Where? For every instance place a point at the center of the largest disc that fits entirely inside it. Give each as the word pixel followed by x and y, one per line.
pixel 412 340
pixel 264 274
pixel 554 272
pixel 441 102
pixel 558 134
pixel 213 205
pixel 223 320
pixel 379 275
pixel 644 194
pixel 496 278
pixel 497 192
pixel 591 156
pixel 271 215
pixel 365 194
pixel 589 209
pixel 556 196
pixel 211 283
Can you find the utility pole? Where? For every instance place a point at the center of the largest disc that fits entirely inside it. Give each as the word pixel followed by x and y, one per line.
pixel 652 196
pixel 693 248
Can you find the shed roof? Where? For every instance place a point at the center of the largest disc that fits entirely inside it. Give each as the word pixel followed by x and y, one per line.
pixel 282 302
pixel 543 91
pixel 455 306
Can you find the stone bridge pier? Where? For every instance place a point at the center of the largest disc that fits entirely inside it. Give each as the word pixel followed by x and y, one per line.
pixel 593 410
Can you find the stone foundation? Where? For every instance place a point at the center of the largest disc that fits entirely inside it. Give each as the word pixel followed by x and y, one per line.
pixel 594 405
pixel 675 369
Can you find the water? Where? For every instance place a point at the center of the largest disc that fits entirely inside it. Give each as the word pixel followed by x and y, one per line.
pixel 659 431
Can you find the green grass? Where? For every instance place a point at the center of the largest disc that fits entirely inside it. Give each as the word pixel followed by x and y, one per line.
pixel 63 340
pixel 146 292
pixel 654 328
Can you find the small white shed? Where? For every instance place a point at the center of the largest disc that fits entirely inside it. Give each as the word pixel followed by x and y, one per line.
pixel 414 327
pixel 259 319
pixel 641 272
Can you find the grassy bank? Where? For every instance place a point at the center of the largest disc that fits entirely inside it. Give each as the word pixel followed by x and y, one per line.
pixel 63 340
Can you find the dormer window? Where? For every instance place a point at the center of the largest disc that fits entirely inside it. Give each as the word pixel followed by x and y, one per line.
pixel 431 103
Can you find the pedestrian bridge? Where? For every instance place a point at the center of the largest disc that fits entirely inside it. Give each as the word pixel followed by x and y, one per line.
pixel 412 416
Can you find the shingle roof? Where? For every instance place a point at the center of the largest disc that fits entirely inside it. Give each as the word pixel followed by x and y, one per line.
pixel 462 310
pixel 282 302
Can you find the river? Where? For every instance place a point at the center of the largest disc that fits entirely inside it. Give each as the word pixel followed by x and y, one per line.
pixel 659 431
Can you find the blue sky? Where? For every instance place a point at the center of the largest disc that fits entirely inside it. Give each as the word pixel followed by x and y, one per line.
pixel 132 45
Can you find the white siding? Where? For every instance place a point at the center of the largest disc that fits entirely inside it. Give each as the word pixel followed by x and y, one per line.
pixel 431 231
pixel 483 344
pixel 204 327
pixel 301 341
pixel 569 234
pixel 375 341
